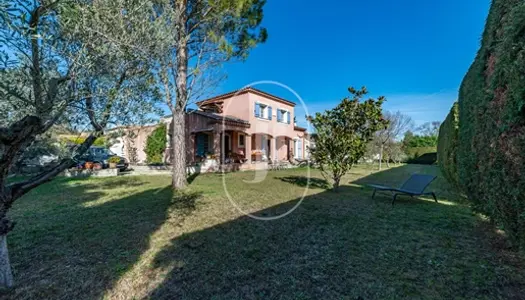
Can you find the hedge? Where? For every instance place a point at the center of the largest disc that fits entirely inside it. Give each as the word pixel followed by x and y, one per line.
pixel 491 159
pixel 448 146
pixel 421 155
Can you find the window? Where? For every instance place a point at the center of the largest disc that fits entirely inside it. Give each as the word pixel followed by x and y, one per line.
pixel 203 144
pixel 283 116
pixel 242 138
pixel 263 111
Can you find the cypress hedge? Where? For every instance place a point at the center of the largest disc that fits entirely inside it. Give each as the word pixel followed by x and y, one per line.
pixel 421 155
pixel 448 146
pixel 491 158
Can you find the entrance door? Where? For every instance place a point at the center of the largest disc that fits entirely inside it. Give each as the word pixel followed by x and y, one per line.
pixel 227 144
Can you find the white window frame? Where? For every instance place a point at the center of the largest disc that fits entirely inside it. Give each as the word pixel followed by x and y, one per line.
pixel 285 115
pixel 264 111
pixel 239 140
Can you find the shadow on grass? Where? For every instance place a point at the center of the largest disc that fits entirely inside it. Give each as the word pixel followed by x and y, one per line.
pixel 303 181
pixel 335 245
pixel 192 177
pixel 84 250
pixel 339 245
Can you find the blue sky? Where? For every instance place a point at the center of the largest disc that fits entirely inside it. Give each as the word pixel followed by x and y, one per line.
pixel 414 52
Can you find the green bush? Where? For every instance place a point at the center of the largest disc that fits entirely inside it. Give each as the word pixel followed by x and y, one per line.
pixel 415 152
pixel 114 159
pixel 421 155
pixel 491 159
pixel 156 145
pixel 448 146
pixel 417 141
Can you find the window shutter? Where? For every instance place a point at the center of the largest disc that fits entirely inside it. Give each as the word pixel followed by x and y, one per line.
pixel 289 116
pixel 279 115
pixel 257 110
pixel 269 112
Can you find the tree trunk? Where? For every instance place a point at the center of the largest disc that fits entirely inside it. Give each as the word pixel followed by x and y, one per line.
pixel 336 183
pixel 178 145
pixel 181 82
pixel 6 277
pixel 380 156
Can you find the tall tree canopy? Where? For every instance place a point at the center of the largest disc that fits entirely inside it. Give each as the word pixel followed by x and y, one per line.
pixel 202 35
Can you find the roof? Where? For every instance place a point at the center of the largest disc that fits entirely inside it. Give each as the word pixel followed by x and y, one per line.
pixel 220 117
pixel 299 128
pixel 212 116
pixel 244 91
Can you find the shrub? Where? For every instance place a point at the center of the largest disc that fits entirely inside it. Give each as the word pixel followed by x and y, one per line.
pixel 422 155
pixel 413 141
pixel 416 152
pixel 114 159
pixel 156 145
pixel 448 146
pixel 491 161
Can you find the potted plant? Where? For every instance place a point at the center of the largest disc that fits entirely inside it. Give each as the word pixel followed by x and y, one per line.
pixel 113 161
pixel 88 165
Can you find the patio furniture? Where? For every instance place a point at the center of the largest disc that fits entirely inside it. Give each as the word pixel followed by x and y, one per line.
pixel 238 157
pixel 414 186
pixel 257 155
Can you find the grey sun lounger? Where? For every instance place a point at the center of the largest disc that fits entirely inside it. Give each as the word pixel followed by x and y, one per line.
pixel 414 186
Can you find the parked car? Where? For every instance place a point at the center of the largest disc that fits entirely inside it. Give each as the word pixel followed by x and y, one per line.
pixel 101 155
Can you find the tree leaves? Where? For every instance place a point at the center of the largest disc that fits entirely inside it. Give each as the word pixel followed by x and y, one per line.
pixel 344 132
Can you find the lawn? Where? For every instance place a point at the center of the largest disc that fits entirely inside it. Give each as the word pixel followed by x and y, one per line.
pixel 132 238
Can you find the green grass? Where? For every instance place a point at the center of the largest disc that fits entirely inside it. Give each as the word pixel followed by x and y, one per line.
pixel 132 238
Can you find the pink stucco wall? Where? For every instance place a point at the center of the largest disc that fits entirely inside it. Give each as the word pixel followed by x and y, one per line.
pixel 243 106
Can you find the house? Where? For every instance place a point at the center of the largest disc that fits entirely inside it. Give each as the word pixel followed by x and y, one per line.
pixel 244 127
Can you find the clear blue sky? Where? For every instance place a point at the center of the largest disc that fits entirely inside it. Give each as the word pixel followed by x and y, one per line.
pixel 414 52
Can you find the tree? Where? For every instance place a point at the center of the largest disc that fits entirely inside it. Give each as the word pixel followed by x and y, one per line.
pixel 344 132
pixel 156 145
pixel 394 151
pixel 429 128
pixel 398 123
pixel 51 71
pixel 201 35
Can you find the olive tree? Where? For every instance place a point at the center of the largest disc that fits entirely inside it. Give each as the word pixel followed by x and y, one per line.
pixel 64 61
pixel 344 132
